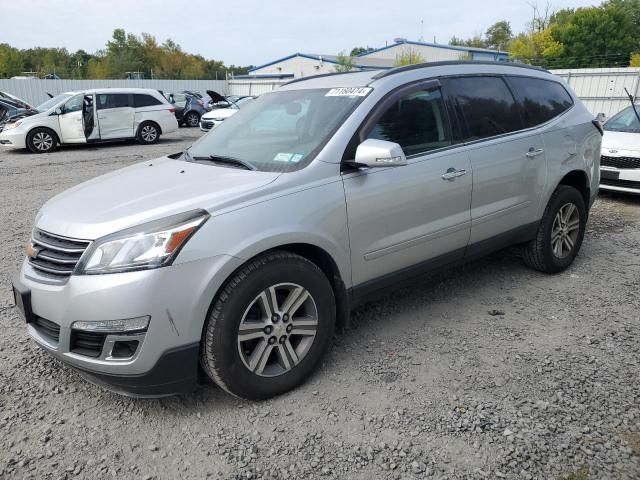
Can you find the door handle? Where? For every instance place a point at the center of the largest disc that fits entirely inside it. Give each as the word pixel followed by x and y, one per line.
pixel 451 174
pixel 534 152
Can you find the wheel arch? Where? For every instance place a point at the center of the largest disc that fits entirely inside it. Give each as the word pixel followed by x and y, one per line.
pixel 147 120
pixel 43 127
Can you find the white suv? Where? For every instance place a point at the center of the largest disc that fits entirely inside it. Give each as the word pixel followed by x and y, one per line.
pixel 93 116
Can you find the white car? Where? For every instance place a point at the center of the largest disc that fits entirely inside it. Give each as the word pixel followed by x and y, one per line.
pixel 218 115
pixel 620 161
pixel 93 116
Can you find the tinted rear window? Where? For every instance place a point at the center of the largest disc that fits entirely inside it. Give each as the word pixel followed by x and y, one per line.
pixel 540 100
pixel 140 100
pixel 112 100
pixel 485 104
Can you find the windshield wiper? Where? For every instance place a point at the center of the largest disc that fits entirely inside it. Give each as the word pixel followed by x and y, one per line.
pixel 226 160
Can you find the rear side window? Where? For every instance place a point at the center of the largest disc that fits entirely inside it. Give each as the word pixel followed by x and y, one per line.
pixel 485 105
pixel 140 100
pixel 417 122
pixel 113 100
pixel 539 100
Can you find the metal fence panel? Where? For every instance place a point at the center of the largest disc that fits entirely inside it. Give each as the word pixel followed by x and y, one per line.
pixel 253 86
pixel 603 89
pixel 35 91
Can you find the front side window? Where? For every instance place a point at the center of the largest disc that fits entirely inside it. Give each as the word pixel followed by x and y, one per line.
pixel 624 121
pixel 417 122
pixel 280 131
pixel 74 104
pixel 540 100
pixel 485 105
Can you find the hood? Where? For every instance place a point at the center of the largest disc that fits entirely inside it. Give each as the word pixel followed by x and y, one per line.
pixel 220 113
pixel 629 141
pixel 215 96
pixel 144 192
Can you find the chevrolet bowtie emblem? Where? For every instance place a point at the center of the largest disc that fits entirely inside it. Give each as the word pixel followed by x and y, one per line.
pixel 32 251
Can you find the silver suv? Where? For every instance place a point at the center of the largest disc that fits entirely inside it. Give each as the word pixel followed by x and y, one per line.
pixel 237 257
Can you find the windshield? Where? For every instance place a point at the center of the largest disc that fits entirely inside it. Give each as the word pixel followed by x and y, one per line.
pixel 280 131
pixel 52 102
pixel 624 121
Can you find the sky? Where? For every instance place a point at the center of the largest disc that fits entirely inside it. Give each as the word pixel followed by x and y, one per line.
pixel 244 32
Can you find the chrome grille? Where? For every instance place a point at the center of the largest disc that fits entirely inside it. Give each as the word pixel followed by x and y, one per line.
pixel 619 162
pixel 54 254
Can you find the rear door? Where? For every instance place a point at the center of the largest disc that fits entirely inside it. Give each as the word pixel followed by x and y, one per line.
pixel 402 217
pixel 508 162
pixel 116 115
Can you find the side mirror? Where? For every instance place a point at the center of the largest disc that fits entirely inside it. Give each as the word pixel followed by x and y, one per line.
pixel 374 153
pixel 58 111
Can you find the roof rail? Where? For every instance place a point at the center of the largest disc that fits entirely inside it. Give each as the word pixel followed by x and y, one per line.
pixel 417 66
pixel 320 75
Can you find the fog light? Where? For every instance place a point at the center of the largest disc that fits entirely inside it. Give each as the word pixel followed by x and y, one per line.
pixel 114 326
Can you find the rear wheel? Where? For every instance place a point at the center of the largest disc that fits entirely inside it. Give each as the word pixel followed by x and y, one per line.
pixel 148 133
pixel 269 327
pixel 42 140
pixel 560 233
pixel 192 119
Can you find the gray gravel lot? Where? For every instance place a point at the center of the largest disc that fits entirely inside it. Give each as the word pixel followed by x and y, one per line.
pixel 488 371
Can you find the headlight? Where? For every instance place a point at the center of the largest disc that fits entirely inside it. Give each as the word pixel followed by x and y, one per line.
pixel 150 245
pixel 9 126
pixel 218 119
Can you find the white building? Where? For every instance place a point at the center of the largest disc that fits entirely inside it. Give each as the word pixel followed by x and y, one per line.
pixel 306 64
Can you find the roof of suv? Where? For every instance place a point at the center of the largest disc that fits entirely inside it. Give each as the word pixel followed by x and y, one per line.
pixel 359 79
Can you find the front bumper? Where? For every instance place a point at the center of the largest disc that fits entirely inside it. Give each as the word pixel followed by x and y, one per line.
pixel 177 299
pixel 12 138
pixel 620 180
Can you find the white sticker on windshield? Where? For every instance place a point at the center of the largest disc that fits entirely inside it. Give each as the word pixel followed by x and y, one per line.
pixel 296 157
pixel 283 157
pixel 348 92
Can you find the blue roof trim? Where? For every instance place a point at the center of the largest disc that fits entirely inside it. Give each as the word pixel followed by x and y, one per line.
pixel 437 45
pixel 259 76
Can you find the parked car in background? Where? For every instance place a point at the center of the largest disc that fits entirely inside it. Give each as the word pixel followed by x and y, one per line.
pixel 11 111
pixel 93 116
pixel 218 115
pixel 189 108
pixel 221 101
pixel 239 254
pixel 620 161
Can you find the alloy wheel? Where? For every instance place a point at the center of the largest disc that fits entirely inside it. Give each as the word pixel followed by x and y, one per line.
pixel 277 330
pixel 192 120
pixel 43 141
pixel 148 133
pixel 565 230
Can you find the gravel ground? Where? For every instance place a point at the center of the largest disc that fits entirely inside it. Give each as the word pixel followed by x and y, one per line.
pixel 488 371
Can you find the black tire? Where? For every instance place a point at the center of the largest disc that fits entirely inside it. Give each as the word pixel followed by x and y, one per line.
pixel 539 253
pixel 42 140
pixel 148 133
pixel 220 353
pixel 192 119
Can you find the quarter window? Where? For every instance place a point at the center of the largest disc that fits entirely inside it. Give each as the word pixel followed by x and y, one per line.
pixel 539 100
pixel 140 100
pixel 485 104
pixel 417 122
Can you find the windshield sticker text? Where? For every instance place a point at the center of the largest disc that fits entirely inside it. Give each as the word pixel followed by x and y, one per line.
pixel 348 92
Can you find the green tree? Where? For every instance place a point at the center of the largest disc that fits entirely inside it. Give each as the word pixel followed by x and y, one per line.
pixel 345 63
pixel 499 35
pixel 11 62
pixel 360 50
pixel 635 60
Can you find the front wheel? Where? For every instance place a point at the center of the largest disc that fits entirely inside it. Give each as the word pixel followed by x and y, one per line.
pixel 148 133
pixel 269 327
pixel 560 233
pixel 42 140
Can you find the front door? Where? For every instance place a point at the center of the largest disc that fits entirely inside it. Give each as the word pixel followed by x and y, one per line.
pixel 116 115
pixel 71 122
pixel 415 215
pixel 508 160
